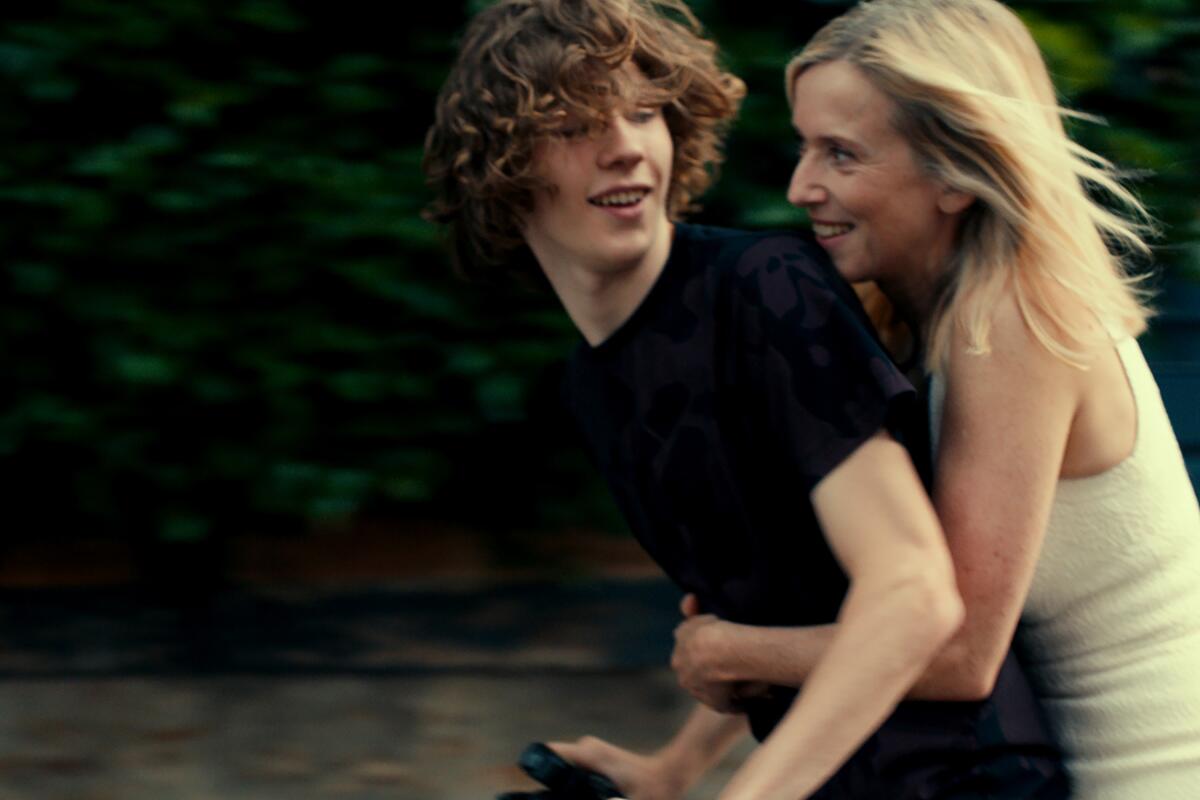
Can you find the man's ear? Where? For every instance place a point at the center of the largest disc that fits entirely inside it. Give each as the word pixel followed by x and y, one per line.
pixel 954 201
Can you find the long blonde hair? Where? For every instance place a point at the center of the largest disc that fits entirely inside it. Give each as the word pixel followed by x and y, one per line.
pixel 977 105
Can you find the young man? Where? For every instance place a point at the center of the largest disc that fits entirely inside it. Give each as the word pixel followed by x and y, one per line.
pixel 733 394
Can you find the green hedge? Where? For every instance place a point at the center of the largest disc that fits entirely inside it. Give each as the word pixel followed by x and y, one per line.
pixel 222 313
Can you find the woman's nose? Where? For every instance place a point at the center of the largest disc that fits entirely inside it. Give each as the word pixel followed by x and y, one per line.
pixel 804 189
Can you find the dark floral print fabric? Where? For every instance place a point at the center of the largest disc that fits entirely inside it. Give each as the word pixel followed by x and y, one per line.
pixel 748 374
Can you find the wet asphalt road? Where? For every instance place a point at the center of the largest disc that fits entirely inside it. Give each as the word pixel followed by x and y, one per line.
pixel 422 693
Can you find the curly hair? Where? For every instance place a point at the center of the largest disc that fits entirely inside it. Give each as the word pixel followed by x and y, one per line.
pixel 527 69
pixel 976 103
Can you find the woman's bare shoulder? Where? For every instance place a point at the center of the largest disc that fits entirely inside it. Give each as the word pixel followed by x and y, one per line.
pixel 1016 371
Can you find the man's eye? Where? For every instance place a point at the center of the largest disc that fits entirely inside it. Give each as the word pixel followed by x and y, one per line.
pixel 570 126
pixel 644 115
pixel 840 155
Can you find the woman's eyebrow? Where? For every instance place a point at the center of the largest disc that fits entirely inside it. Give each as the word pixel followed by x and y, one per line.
pixel 829 138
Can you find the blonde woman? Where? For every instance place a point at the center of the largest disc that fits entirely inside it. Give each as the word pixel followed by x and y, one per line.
pixel 732 392
pixel 933 162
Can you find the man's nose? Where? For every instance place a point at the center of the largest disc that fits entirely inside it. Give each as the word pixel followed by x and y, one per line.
pixel 621 144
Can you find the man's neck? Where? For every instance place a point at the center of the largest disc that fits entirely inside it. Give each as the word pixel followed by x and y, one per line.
pixel 599 302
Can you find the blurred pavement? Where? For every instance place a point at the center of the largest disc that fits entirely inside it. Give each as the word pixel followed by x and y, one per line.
pixel 427 688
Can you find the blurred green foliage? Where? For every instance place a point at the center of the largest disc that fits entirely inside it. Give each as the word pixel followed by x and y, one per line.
pixel 222 312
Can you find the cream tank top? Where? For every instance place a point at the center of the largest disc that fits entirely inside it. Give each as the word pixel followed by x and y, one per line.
pixel 1110 633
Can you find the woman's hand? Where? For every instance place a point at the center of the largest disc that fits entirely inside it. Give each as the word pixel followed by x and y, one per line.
pixel 639 777
pixel 699 641
pixel 692 659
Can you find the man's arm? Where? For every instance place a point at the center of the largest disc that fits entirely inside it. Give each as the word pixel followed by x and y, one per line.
pixel 668 773
pixel 901 608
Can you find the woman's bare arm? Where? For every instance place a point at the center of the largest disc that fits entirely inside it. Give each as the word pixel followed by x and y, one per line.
pixel 1007 417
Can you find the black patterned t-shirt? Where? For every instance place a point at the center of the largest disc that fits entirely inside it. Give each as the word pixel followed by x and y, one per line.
pixel 748 374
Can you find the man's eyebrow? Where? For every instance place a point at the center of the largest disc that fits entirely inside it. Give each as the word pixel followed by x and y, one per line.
pixel 646 99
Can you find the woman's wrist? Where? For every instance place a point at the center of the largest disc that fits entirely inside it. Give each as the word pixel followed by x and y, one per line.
pixel 721 646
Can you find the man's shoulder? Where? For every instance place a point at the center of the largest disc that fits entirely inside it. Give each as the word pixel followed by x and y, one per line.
pixel 773 271
pixel 745 254
pixel 740 242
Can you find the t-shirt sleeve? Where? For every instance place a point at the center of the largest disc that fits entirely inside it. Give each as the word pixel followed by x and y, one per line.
pixel 824 382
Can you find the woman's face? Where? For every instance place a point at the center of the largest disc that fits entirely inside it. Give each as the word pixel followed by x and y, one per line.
pixel 873 209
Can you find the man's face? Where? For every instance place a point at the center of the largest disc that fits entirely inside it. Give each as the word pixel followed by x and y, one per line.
pixel 608 208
